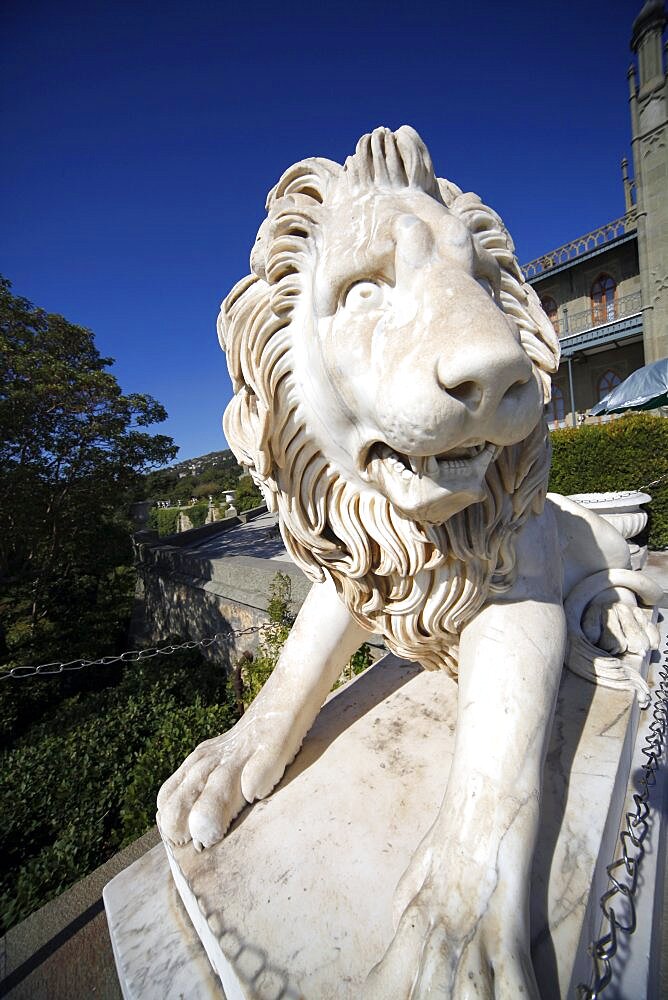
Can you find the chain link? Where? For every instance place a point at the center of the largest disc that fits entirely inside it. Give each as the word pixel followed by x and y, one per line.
pixel 655 482
pixel 131 655
pixel 623 872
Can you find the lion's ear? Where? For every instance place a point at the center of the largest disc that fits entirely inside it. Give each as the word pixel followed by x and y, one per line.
pixel 292 212
pixel 307 180
pixel 449 191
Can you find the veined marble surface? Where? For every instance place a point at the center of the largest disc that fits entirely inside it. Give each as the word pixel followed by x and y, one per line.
pixel 158 954
pixel 296 901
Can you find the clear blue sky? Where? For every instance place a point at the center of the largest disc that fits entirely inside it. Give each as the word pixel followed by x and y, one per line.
pixel 140 139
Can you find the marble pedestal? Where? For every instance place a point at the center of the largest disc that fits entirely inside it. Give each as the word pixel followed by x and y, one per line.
pixel 296 901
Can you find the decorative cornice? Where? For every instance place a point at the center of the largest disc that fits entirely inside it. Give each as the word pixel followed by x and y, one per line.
pixel 582 245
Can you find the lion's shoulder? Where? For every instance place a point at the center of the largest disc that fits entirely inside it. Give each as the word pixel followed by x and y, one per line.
pixel 588 542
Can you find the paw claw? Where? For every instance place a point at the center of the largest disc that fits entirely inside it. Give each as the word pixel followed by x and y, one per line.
pixel 216 781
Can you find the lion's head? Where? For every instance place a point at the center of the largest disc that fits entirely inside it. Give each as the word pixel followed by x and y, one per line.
pixel 390 370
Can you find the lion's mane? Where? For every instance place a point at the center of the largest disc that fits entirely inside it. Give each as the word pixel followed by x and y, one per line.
pixel 417 584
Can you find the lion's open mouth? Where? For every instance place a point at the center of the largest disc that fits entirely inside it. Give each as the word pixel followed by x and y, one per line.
pixel 430 466
pixel 431 487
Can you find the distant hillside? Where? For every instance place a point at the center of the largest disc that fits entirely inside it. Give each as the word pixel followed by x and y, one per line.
pixel 193 478
pixel 212 460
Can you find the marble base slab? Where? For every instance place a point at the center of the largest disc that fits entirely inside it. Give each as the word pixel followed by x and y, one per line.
pixel 157 952
pixel 296 901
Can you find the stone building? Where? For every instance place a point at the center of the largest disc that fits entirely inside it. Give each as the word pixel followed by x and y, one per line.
pixel 607 292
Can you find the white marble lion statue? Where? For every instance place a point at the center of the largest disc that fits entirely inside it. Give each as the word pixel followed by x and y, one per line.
pixel 391 368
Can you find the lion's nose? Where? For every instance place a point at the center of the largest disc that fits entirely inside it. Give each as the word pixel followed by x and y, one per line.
pixel 483 377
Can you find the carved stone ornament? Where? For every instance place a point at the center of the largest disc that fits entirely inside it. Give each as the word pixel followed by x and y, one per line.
pixel 623 509
pixel 391 368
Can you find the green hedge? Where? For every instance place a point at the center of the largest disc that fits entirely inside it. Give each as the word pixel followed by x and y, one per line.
pixel 164 519
pixel 197 513
pixel 83 782
pixel 624 454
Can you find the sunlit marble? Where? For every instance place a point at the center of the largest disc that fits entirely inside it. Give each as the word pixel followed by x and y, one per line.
pixel 390 368
pixel 296 900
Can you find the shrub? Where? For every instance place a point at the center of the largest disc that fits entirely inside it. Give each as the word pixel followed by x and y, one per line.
pixel 82 782
pixel 164 519
pixel 197 513
pixel 358 662
pixel 178 733
pixel 624 454
pixel 80 628
pixel 256 670
pixel 253 671
pixel 247 495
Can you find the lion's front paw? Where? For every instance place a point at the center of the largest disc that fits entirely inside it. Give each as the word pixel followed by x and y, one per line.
pixel 619 626
pixel 605 623
pixel 215 782
pixel 433 954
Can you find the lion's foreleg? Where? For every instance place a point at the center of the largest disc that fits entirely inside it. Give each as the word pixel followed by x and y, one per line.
pixel 319 645
pixel 214 783
pixel 462 905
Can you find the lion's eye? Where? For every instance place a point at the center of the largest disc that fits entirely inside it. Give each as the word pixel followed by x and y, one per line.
pixel 363 295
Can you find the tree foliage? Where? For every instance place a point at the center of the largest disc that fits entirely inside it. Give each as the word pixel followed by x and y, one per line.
pixel 164 520
pixel 255 670
pixel 73 449
pixel 82 782
pixel 213 475
pixel 247 495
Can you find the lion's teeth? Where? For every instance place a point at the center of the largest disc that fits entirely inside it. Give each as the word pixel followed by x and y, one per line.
pixel 417 464
pixel 408 466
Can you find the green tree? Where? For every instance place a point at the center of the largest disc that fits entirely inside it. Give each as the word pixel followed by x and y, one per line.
pixel 206 489
pixel 217 473
pixel 246 495
pixel 158 485
pixel 73 450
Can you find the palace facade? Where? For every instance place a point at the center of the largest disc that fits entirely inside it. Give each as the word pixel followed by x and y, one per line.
pixel 607 292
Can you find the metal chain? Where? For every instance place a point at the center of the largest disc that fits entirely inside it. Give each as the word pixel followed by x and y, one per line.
pixel 655 482
pixel 130 656
pixel 623 872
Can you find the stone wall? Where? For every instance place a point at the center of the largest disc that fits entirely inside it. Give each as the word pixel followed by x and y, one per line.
pixel 181 592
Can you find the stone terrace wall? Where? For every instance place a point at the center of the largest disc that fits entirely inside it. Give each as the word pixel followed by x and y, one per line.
pixel 183 592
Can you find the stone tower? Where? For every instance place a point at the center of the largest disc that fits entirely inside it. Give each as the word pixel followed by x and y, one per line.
pixel 649 130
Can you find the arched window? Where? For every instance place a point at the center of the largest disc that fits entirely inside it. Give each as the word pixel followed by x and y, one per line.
pixel 607 383
pixel 603 293
pixel 556 408
pixel 550 307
